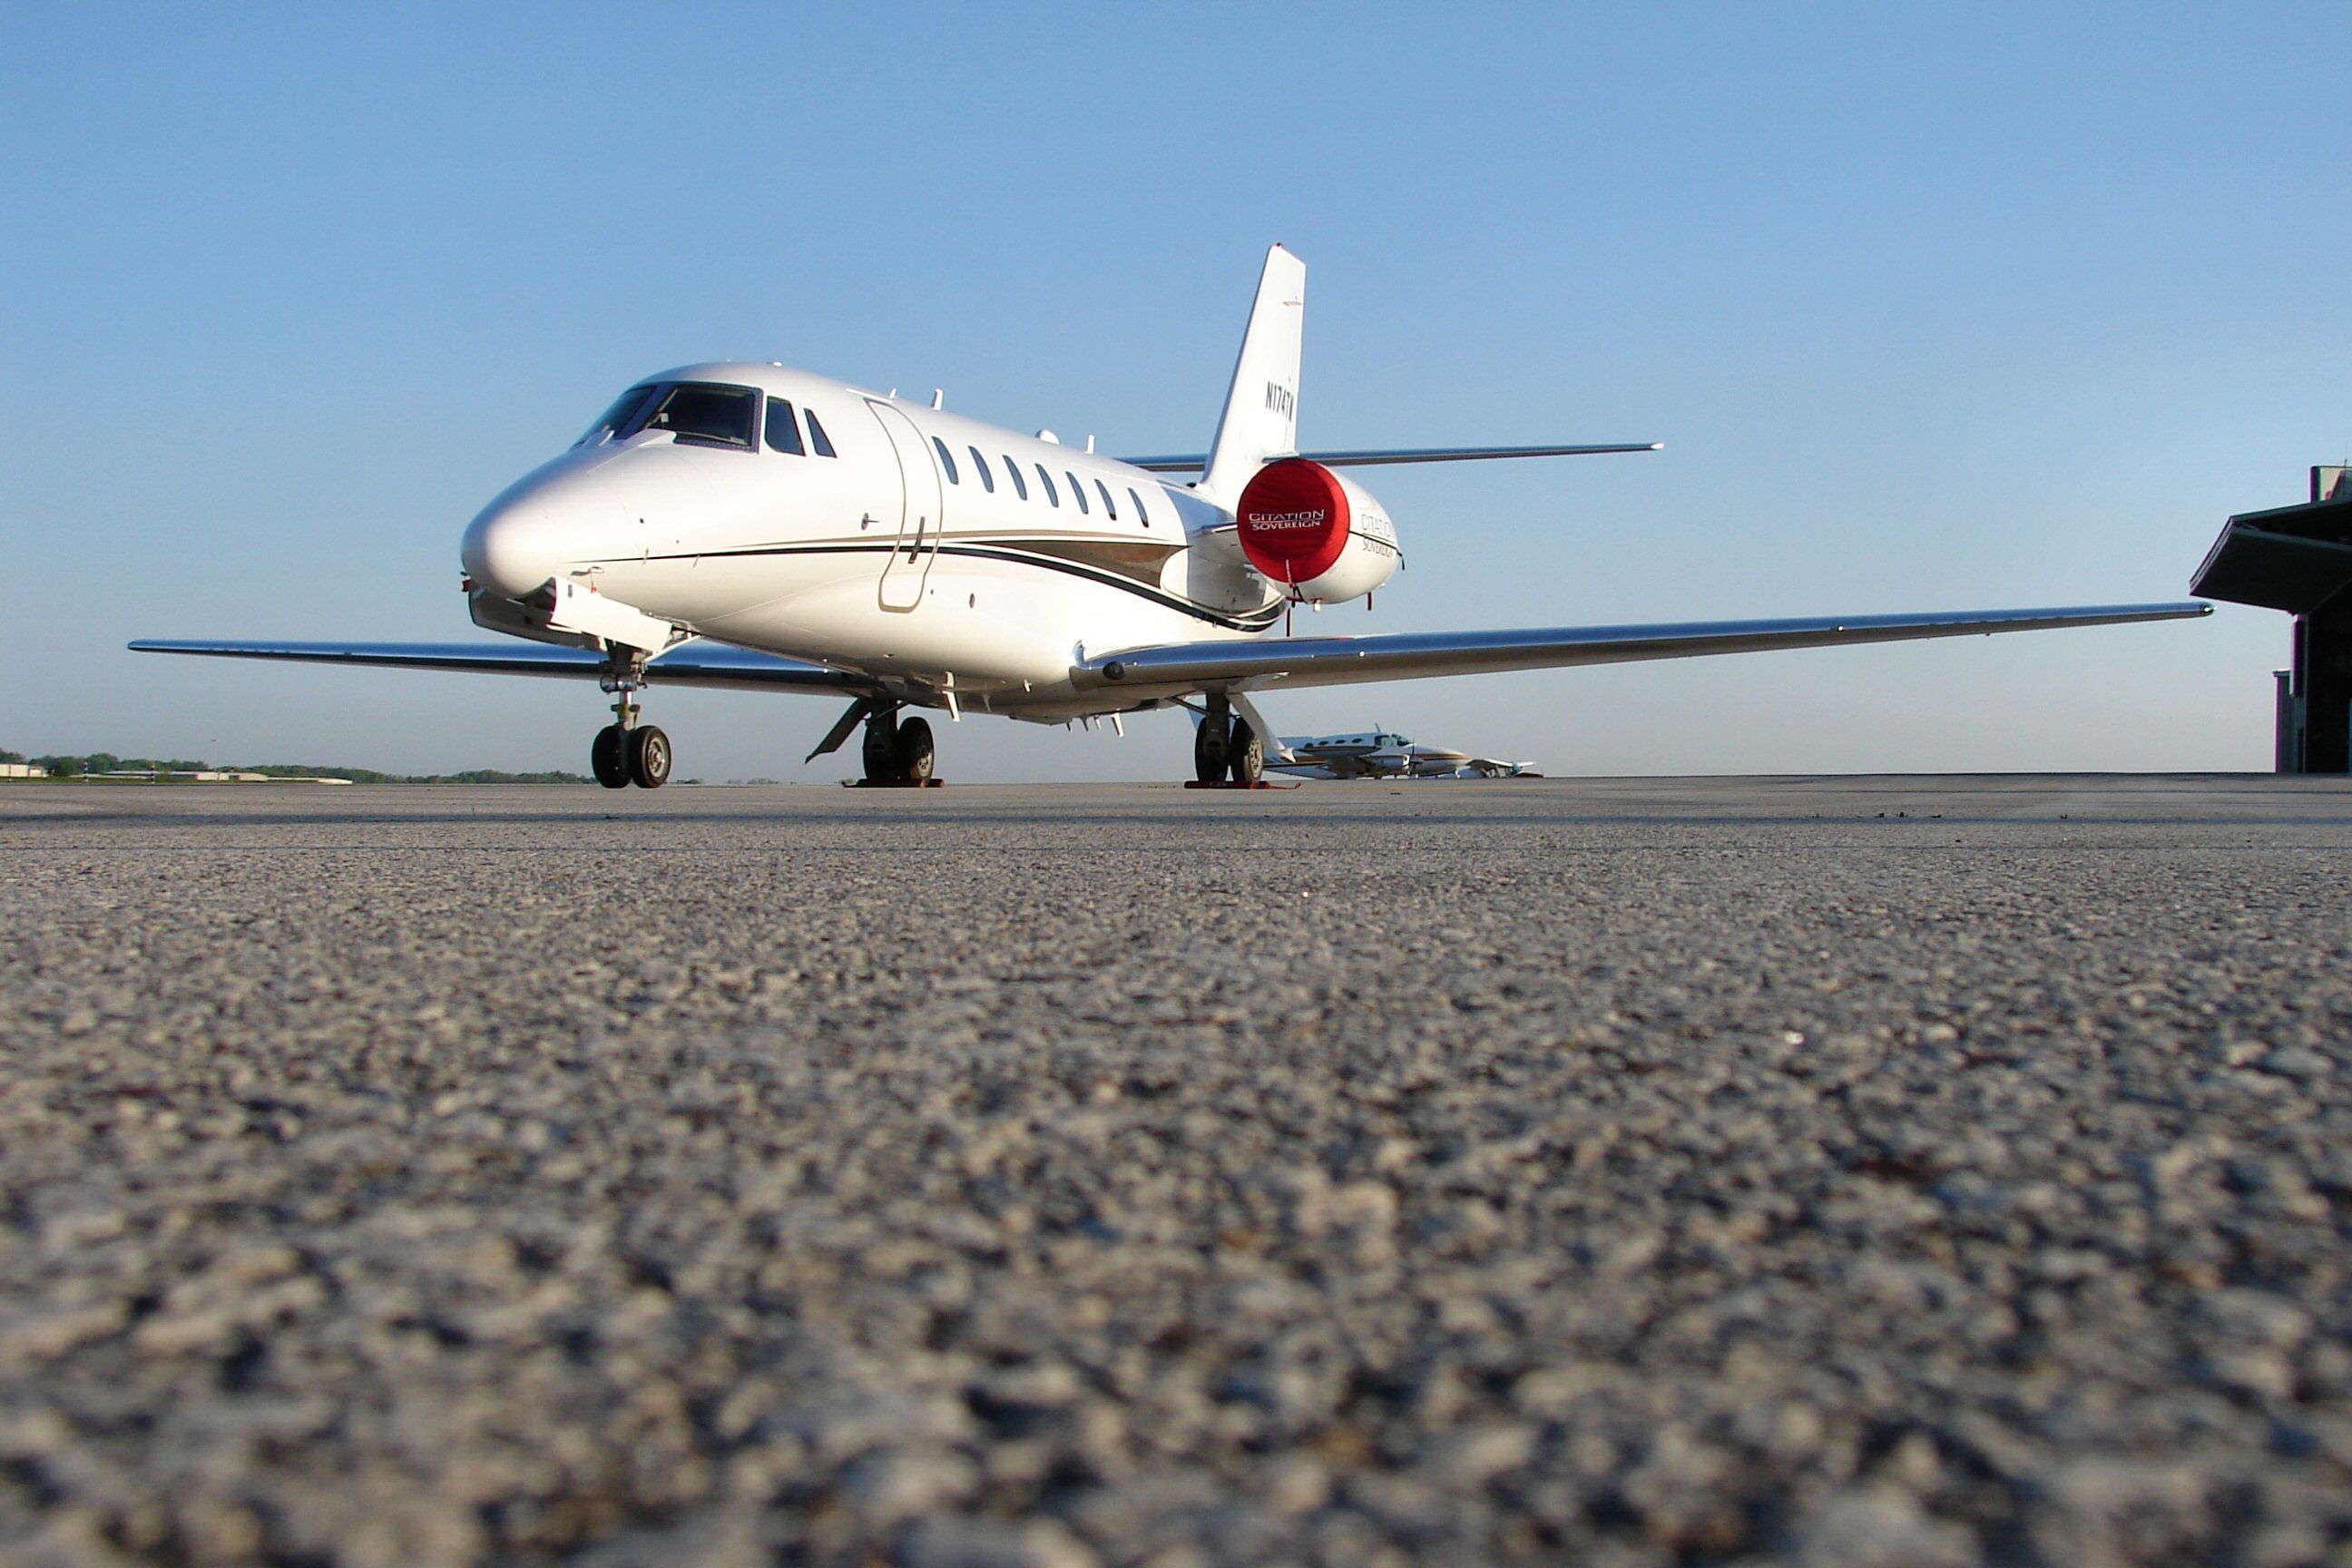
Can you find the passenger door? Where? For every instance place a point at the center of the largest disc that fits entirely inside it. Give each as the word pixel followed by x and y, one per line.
pixel 909 565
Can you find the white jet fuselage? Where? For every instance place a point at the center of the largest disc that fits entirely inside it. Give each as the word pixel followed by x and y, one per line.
pixel 935 554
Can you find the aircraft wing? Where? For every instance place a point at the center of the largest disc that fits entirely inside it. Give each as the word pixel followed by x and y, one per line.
pixel 1298 662
pixel 689 664
pixel 1380 457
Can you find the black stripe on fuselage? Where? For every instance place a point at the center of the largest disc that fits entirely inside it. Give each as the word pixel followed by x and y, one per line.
pixel 1257 621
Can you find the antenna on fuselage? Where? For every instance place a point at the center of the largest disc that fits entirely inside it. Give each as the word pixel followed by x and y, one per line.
pixel 938 397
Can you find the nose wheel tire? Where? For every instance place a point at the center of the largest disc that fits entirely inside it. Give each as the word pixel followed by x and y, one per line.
pixel 915 754
pixel 648 757
pixel 1246 754
pixel 608 757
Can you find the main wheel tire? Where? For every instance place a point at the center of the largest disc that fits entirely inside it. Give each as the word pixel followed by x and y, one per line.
pixel 648 757
pixel 1209 752
pixel 1246 755
pixel 881 748
pixel 915 751
pixel 608 757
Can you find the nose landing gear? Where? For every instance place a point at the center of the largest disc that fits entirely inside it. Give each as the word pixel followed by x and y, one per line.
pixel 625 752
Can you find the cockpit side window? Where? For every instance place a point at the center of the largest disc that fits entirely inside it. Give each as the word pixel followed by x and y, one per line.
pixel 1142 516
pixel 783 430
pixel 625 408
pixel 947 460
pixel 818 439
pixel 698 414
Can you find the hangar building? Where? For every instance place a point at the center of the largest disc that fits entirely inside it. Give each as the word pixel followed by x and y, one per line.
pixel 2299 558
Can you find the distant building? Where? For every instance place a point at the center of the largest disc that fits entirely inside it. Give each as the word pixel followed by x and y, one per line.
pixel 22 771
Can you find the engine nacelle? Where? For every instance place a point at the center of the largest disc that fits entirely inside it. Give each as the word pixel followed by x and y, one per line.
pixel 1321 538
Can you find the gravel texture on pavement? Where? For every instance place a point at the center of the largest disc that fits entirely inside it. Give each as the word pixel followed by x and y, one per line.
pixel 1847 1173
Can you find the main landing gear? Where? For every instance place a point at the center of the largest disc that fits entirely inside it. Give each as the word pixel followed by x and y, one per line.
pixel 625 752
pixel 898 753
pixel 897 750
pixel 1225 745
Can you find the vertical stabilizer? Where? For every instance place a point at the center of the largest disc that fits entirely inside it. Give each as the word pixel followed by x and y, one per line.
pixel 1261 418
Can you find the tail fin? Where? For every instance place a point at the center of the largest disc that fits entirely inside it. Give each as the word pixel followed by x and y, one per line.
pixel 1261 418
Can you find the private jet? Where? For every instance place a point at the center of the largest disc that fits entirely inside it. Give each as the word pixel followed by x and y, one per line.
pixel 749 526
pixel 1383 754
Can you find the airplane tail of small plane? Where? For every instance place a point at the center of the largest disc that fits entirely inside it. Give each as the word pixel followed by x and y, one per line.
pixel 1261 416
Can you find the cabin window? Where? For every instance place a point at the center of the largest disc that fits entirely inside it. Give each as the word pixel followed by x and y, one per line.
pixel 979 467
pixel 819 442
pixel 1019 485
pixel 1141 516
pixel 1110 506
pixel 783 429
pixel 947 460
pixel 1078 491
pixel 625 408
pixel 698 415
pixel 1046 479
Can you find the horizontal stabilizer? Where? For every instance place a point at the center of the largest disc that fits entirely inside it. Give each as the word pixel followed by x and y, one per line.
pixel 690 664
pixel 1409 656
pixel 1378 457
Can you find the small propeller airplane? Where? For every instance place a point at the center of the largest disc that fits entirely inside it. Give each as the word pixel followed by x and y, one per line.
pixel 1383 754
pixel 750 526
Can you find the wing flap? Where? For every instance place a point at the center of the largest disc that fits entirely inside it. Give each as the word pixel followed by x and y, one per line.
pixel 1407 656
pixel 691 664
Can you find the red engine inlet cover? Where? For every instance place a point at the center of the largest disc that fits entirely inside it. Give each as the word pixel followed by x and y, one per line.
pixel 1293 520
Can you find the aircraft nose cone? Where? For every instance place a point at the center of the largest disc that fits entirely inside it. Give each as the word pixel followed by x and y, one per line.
pixel 585 507
pixel 510 548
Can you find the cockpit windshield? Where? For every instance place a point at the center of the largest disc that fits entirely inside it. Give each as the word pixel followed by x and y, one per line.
pixel 625 408
pixel 695 413
pixel 698 414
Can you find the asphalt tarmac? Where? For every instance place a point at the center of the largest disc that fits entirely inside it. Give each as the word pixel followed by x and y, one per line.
pixel 1833 1172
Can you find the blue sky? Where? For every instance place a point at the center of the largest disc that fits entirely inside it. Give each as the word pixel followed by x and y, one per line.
pixel 1934 307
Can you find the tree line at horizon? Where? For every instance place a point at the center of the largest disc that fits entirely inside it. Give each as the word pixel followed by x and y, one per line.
pixel 91 763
